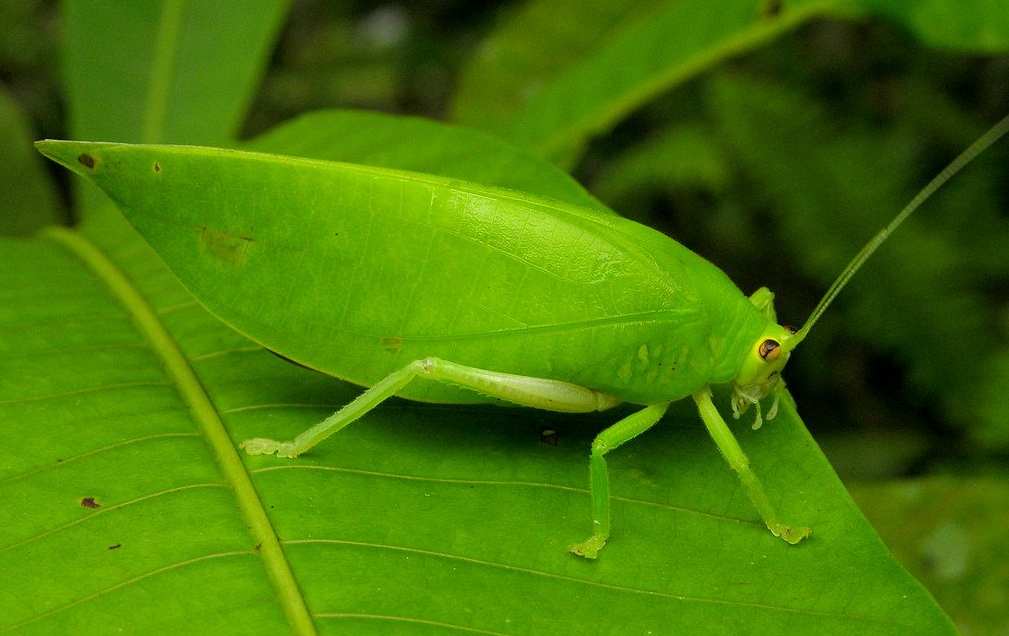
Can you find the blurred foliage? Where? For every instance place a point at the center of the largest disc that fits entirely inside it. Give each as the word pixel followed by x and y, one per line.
pixel 394 57
pixel 27 196
pixel 29 48
pixel 949 534
pixel 29 88
pixel 777 166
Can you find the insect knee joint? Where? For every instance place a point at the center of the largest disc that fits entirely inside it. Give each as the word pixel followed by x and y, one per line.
pixel 427 365
pixel 600 447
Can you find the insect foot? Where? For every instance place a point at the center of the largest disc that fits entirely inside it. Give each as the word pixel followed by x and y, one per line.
pixel 263 446
pixel 588 548
pixel 788 533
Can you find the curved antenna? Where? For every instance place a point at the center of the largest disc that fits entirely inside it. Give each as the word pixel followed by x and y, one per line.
pixel 983 142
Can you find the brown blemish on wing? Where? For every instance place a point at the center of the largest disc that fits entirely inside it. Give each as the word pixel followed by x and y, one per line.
pixel 157 167
pixel 89 502
pixel 392 345
pixel 87 160
pixel 227 249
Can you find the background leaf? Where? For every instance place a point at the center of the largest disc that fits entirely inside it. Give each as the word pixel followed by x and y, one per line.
pixel 948 532
pixel 552 92
pixel 126 475
pixel 158 54
pixel 584 81
pixel 27 196
pixel 421 145
pixel 978 26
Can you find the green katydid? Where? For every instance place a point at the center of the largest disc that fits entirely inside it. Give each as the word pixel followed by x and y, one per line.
pixel 490 295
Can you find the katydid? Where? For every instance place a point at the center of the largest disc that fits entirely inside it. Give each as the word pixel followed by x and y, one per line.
pixel 489 295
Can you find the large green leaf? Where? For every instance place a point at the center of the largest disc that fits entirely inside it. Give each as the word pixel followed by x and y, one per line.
pixel 418 519
pixel 176 71
pixel 124 509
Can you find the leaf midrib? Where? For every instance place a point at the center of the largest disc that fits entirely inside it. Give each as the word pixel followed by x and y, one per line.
pixel 207 418
pixel 162 69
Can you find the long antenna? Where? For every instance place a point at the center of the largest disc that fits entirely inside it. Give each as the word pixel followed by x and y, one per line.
pixel 983 142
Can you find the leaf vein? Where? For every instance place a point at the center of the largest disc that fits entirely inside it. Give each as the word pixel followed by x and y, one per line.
pixel 118 346
pixel 586 582
pixel 493 482
pixel 83 391
pixel 93 451
pixel 110 508
pixel 130 581
pixel 225 352
pixel 410 619
pixel 177 307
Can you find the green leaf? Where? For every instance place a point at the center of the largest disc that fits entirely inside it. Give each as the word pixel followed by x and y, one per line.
pixel 531 46
pixel 417 519
pixel 27 194
pixel 421 145
pixel 551 91
pixel 976 26
pixel 172 71
pixel 681 155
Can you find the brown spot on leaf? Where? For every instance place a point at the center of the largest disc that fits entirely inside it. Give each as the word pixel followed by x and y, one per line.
pixel 392 345
pixel 157 167
pixel 89 502
pixel 115 546
pixel 87 160
pixel 772 8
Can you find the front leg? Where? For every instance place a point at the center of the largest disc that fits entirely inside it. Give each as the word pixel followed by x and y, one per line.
pixel 730 449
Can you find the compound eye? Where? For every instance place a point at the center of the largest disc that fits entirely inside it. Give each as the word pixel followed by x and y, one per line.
pixel 769 350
